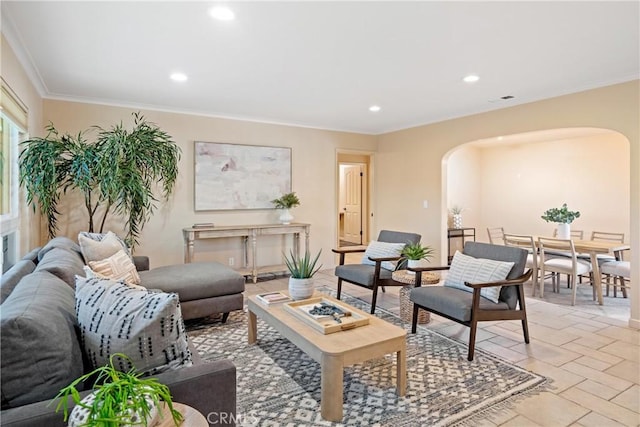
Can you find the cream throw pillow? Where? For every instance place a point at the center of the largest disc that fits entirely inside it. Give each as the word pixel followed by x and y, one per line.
pixel 94 249
pixel 382 250
pixel 90 274
pixel 117 267
pixel 465 268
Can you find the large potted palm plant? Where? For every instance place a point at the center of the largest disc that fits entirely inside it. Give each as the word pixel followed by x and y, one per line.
pixel 117 174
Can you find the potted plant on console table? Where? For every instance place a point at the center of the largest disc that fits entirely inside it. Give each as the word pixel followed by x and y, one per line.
pixel 563 217
pixel 286 202
pixel 302 271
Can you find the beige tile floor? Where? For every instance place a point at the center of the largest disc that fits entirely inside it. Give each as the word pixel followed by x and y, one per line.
pixel 589 351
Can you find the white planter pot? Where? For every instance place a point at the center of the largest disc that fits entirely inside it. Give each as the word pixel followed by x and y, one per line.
pixel 457 221
pixel 300 288
pixel 415 263
pixel 286 217
pixel 564 231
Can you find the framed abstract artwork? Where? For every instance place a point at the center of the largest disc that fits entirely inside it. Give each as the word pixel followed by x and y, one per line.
pixel 233 176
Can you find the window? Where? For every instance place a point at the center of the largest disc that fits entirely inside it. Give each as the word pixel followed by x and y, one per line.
pixel 13 122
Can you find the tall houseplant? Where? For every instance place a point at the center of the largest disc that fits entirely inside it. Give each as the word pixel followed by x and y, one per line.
pixel 118 174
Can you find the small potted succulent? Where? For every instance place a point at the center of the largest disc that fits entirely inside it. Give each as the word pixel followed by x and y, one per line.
pixel 563 217
pixel 119 399
pixel 302 270
pixel 286 202
pixel 414 253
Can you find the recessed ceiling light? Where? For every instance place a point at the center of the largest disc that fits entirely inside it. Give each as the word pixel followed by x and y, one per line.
pixel 374 108
pixel 178 77
pixel 222 13
pixel 471 78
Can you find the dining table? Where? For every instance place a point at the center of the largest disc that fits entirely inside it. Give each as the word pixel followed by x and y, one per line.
pixel 593 248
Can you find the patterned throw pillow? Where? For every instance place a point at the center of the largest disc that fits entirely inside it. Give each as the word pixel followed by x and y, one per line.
pixel 146 326
pixel 117 267
pixel 382 250
pixel 465 268
pixel 96 246
pixel 90 274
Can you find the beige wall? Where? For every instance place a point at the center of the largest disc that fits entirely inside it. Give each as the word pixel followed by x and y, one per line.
pixel 15 76
pixel 314 174
pixel 511 185
pixel 416 155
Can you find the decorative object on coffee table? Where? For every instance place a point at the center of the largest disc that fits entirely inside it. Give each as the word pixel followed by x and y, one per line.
pixel 120 398
pixel 302 270
pixel 406 306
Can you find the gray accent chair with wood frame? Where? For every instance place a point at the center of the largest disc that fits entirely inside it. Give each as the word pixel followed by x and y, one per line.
pixel 469 307
pixel 372 275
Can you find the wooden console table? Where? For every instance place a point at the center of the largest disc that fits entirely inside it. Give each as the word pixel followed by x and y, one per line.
pixel 247 232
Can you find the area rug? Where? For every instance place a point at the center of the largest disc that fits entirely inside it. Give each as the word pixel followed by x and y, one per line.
pixel 279 385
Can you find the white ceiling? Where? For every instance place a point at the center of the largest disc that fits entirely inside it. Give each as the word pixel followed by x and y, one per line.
pixel 322 64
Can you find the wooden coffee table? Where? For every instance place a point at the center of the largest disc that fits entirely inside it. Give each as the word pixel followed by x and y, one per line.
pixel 335 351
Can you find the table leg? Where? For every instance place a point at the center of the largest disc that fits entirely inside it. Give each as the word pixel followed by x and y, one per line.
pixel 401 369
pixel 252 327
pixel 188 246
pixel 254 264
pixel 597 277
pixel 331 388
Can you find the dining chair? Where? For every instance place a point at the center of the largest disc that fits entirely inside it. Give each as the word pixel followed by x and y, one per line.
pixel 533 256
pixel 621 272
pixel 496 235
pixel 569 265
pixel 605 236
pixel 484 283
pixel 377 263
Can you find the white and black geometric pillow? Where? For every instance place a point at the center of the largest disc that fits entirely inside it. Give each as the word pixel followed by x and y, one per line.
pixel 146 326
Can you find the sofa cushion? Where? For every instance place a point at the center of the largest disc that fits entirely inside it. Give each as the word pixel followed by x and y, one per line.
pixel 32 255
pixel 97 246
pixel 62 263
pixel 197 280
pixel 117 267
pixel 40 352
pixel 11 277
pixel 465 268
pixel 146 326
pixel 59 243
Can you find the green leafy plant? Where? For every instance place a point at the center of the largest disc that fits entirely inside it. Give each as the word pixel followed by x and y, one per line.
pixel 456 210
pixel 302 267
pixel 415 251
pixel 117 174
pixel 287 201
pixel 118 395
pixel 560 215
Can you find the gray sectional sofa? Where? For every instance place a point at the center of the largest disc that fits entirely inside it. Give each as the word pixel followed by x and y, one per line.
pixel 41 351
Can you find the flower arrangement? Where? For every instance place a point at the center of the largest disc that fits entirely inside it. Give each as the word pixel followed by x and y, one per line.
pixel 287 201
pixel 560 215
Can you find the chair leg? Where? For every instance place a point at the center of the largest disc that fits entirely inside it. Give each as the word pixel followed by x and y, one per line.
pixel 472 339
pixel 383 290
pixel 374 297
pixel 414 320
pixel 523 308
pixel 623 287
pixel 339 288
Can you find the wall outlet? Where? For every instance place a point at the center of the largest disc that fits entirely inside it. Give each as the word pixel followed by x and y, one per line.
pixel 232 261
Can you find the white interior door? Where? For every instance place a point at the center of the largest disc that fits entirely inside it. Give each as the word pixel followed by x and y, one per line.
pixel 353 203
